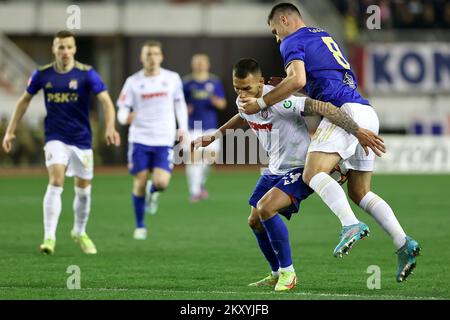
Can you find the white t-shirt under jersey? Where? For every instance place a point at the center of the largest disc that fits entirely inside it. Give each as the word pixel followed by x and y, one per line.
pixel 158 102
pixel 282 132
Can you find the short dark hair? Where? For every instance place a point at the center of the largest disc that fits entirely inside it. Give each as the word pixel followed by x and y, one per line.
pixel 246 66
pixel 284 6
pixel 152 43
pixel 64 34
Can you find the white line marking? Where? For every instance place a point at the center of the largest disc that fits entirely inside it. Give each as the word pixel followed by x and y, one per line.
pixel 172 292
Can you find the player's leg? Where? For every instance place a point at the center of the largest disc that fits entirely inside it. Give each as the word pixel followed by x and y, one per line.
pixel 161 162
pixel 194 175
pixel 82 209
pixel 138 199
pixel 81 166
pixel 138 164
pixel 56 160
pixel 359 190
pixel 210 156
pixel 52 206
pixel 266 248
pixel 268 207
pixel 329 145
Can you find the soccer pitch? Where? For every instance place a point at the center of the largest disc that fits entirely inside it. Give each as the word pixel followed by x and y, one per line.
pixel 207 251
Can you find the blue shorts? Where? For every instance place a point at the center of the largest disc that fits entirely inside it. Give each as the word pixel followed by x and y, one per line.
pixel 142 157
pixel 291 183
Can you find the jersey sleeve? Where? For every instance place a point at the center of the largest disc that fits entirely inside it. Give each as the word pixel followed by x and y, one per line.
pixel 95 82
pixel 218 89
pixel 292 50
pixel 291 107
pixel 126 97
pixel 34 83
pixel 180 105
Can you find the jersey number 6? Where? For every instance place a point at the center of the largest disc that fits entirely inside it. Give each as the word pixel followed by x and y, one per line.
pixel 333 47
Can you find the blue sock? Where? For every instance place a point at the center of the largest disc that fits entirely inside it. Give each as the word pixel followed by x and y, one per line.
pixel 279 238
pixel 139 210
pixel 266 248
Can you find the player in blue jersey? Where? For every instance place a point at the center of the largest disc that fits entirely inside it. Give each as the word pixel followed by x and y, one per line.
pixel 67 85
pixel 204 96
pixel 314 61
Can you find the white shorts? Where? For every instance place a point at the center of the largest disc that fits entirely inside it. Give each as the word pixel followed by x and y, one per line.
pixel 330 138
pixel 79 162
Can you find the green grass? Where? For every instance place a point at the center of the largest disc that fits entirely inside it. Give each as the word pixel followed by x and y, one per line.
pixel 207 251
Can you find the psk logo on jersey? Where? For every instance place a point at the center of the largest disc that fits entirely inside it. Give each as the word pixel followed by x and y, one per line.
pixel 73 84
pixel 348 80
pixel 48 85
pixel 287 104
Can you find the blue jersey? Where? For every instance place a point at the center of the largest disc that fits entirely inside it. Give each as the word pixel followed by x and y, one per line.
pixel 67 98
pixel 328 73
pixel 198 96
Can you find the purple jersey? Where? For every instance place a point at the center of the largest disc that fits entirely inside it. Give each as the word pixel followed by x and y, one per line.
pixel 67 99
pixel 328 73
pixel 198 96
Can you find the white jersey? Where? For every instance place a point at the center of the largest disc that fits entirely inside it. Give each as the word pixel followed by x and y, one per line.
pixel 282 132
pixel 158 102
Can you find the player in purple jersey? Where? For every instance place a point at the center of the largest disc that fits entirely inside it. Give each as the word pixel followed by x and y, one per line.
pixel 67 85
pixel 314 61
pixel 204 96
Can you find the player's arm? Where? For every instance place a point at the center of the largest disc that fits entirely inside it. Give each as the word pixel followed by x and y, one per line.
pixel 295 80
pixel 366 138
pixel 19 111
pixel 111 135
pixel 218 98
pixel 181 112
pixel 234 123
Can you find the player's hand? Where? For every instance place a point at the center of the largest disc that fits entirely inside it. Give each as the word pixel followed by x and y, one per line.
pixel 202 141
pixel 7 141
pixel 112 137
pixel 274 81
pixel 368 139
pixel 248 105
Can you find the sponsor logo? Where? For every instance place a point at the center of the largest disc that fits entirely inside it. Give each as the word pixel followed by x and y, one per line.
pixel 260 126
pixel 62 97
pixel 287 104
pixel 348 80
pixel 146 96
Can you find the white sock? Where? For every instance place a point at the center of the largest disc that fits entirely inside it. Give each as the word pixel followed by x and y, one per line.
pixel 383 214
pixel 205 172
pixel 81 208
pixel 287 269
pixel 52 210
pixel 334 196
pixel 276 273
pixel 194 177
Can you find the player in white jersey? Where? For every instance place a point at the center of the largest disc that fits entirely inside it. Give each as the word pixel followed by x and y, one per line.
pixel 284 135
pixel 151 102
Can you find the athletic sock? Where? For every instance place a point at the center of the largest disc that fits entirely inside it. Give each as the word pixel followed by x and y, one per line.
pixel 139 210
pixel 384 216
pixel 52 210
pixel 81 208
pixel 334 196
pixel 194 177
pixel 267 250
pixel 279 239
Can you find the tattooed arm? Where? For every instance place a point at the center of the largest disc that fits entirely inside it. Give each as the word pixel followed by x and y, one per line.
pixel 366 138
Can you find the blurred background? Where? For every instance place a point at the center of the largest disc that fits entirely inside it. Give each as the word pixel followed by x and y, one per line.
pixel 400 51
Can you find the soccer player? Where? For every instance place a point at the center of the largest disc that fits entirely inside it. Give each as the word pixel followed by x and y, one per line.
pixel 67 85
pixel 204 96
pixel 280 189
pixel 151 102
pixel 314 61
